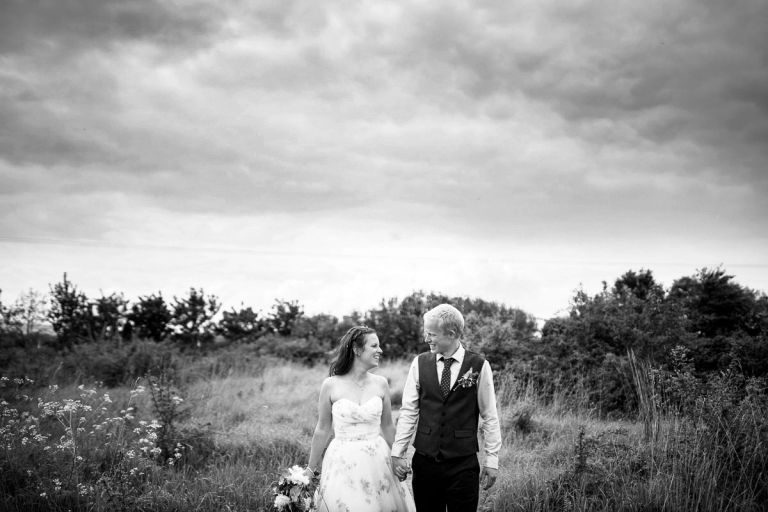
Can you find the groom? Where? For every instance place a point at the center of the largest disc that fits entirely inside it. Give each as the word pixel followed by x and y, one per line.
pixel 447 391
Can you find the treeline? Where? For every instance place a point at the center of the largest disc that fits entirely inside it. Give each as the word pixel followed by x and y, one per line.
pixel 706 323
pixel 193 322
pixel 715 324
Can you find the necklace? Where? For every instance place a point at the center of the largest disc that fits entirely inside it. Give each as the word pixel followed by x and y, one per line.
pixel 359 383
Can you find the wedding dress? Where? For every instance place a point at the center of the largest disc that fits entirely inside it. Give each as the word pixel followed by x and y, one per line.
pixel 357 471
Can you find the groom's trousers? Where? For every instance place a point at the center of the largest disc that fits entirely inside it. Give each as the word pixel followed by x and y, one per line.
pixel 445 483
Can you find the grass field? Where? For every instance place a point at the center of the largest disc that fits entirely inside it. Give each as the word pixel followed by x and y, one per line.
pixel 228 436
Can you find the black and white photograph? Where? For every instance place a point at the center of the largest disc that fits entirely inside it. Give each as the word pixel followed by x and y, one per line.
pixel 367 256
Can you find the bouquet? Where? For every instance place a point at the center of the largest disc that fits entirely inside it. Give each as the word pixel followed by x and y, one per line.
pixel 295 491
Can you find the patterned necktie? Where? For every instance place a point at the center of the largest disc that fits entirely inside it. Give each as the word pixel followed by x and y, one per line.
pixel 445 378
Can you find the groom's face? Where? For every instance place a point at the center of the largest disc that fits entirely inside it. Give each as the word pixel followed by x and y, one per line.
pixel 439 342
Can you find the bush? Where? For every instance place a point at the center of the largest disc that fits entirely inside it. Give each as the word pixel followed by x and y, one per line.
pixel 115 364
pixel 309 351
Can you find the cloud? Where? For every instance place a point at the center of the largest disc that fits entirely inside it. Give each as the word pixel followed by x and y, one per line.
pixel 53 29
pixel 533 120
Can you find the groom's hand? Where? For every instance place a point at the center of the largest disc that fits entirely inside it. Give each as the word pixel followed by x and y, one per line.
pixel 400 467
pixel 488 477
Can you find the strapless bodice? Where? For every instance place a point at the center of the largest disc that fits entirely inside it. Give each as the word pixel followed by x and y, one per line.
pixel 356 422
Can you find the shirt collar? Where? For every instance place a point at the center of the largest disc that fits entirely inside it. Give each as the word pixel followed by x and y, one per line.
pixel 457 356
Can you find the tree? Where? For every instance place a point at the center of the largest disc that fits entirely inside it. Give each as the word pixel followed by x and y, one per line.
pixel 104 316
pixel 641 284
pixel 191 318
pixel 151 317
pixel 325 329
pixel 68 313
pixel 284 316
pixel 244 324
pixel 713 302
pixel 27 313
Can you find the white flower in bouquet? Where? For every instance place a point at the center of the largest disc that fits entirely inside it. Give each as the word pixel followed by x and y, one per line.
pixel 297 476
pixel 295 490
pixel 282 501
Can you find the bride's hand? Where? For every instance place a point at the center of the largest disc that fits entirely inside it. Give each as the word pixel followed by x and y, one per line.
pixel 400 467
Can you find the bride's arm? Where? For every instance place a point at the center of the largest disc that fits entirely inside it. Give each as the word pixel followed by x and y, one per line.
pixel 323 429
pixel 387 426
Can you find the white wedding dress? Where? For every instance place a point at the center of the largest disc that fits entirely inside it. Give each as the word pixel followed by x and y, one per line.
pixel 357 470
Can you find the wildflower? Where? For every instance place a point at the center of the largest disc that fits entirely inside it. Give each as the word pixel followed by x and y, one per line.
pixel 107 399
pixel 43 494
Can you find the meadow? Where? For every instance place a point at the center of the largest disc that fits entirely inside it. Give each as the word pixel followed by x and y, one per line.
pixel 214 437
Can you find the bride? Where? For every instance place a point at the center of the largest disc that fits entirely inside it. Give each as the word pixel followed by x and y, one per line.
pixel 356 471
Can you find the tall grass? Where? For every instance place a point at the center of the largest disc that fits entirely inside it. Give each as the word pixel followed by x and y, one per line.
pixel 235 423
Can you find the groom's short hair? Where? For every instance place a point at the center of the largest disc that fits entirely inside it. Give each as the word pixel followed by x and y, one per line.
pixel 447 317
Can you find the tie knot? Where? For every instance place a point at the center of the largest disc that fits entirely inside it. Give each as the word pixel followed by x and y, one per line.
pixel 448 361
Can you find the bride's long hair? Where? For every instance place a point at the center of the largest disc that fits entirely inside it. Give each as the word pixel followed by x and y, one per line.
pixel 345 356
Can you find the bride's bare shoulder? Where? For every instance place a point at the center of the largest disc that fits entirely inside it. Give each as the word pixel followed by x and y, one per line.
pixel 380 381
pixel 334 382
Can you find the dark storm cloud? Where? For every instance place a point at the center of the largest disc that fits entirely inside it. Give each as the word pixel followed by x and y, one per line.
pixel 49 29
pixel 59 74
pixel 484 114
pixel 685 71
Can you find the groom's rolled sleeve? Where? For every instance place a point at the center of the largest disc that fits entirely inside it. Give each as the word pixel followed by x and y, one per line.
pixel 409 412
pixel 486 400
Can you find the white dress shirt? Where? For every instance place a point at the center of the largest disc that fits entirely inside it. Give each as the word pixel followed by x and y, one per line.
pixel 486 401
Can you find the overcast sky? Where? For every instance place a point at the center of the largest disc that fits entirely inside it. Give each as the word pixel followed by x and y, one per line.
pixel 340 152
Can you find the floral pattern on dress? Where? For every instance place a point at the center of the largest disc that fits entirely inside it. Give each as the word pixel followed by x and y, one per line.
pixel 357 470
